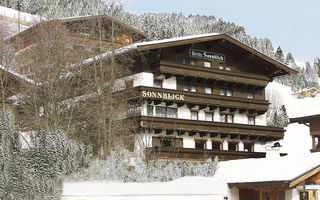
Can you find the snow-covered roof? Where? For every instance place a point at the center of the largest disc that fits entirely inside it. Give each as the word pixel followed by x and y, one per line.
pixel 176 39
pixel 20 76
pixel 287 169
pixel 310 107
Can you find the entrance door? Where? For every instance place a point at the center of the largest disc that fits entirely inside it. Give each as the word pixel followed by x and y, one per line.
pixel 249 194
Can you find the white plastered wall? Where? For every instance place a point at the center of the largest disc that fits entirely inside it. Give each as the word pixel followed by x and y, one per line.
pixel 233 194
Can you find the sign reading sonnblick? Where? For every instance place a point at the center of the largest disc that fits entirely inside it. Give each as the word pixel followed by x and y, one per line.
pixel 162 95
pixel 207 55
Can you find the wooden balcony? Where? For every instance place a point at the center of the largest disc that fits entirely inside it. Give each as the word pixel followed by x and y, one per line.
pixel 198 154
pixel 212 129
pixel 204 100
pixel 179 69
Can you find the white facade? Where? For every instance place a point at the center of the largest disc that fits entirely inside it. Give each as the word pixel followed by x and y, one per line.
pixel 183 112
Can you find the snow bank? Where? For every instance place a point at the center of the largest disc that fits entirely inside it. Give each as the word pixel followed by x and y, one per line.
pixel 183 188
pixel 13 14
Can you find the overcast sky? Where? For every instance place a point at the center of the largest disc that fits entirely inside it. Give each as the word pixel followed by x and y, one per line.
pixel 292 24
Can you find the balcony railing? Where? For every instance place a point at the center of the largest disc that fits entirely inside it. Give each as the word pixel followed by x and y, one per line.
pixel 205 128
pixel 179 69
pixel 202 99
pixel 198 154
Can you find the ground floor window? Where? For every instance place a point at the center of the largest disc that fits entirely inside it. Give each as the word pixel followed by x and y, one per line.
pixel 248 147
pixel 216 145
pixel 200 144
pixel 233 146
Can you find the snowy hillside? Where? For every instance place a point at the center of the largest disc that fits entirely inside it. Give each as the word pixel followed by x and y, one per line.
pixel 10 18
pixel 297 138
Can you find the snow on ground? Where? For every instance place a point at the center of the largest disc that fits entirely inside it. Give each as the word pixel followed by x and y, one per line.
pixel 297 139
pixel 183 188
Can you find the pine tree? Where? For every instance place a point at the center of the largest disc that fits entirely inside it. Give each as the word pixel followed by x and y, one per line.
pixel 279 55
pixel 316 65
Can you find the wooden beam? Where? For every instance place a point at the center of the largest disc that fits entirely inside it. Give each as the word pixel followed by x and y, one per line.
pixel 222 135
pixel 169 132
pixel 192 133
pixel 304 177
pixel 181 133
pixel 203 134
pixel 180 104
pixel 169 103
pixel 157 131
pixel 212 135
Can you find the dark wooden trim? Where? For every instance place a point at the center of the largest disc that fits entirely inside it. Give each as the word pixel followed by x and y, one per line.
pixel 224 37
pixel 192 153
pixel 201 126
pixel 166 67
pixel 213 101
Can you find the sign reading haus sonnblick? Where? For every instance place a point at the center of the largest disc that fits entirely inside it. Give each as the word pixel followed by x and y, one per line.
pixel 206 55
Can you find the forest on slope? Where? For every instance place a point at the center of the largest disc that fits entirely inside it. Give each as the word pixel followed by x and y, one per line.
pixel 168 25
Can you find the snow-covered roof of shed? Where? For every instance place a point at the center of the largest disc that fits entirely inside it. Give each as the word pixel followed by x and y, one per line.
pixel 309 109
pixel 286 169
pixel 185 186
pixel 16 74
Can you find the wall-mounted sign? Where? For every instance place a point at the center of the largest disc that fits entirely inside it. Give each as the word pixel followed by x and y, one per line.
pixel 162 95
pixel 207 55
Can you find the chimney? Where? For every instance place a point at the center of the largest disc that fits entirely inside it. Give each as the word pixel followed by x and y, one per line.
pixel 273 151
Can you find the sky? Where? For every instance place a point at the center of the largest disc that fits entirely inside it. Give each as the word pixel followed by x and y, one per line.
pixel 291 24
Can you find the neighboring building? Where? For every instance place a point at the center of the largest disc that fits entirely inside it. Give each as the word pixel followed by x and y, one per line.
pixel 203 96
pixel 311 92
pixel 289 177
pixel 311 118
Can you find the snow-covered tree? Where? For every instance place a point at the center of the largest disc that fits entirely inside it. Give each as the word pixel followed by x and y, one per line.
pixel 316 65
pixel 279 55
pixel 36 173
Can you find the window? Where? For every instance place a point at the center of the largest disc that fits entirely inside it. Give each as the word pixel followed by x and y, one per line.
pixel 193 88
pixel 194 115
pixel 228 68
pixel 207 90
pixel 166 112
pixel 186 88
pixel 209 116
pixel 316 142
pixel 250 95
pixel 188 61
pixel 221 67
pixel 150 110
pixel 160 111
pixel 304 195
pixel 207 64
pixel 157 83
pixel 192 62
pixel 222 92
pixel 229 93
pixel 226 118
pixel 251 120
pixel 200 144
pixel 248 147
pixel 166 142
pixel 233 146
pixel 216 145
pixel 171 113
pixel 127 40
